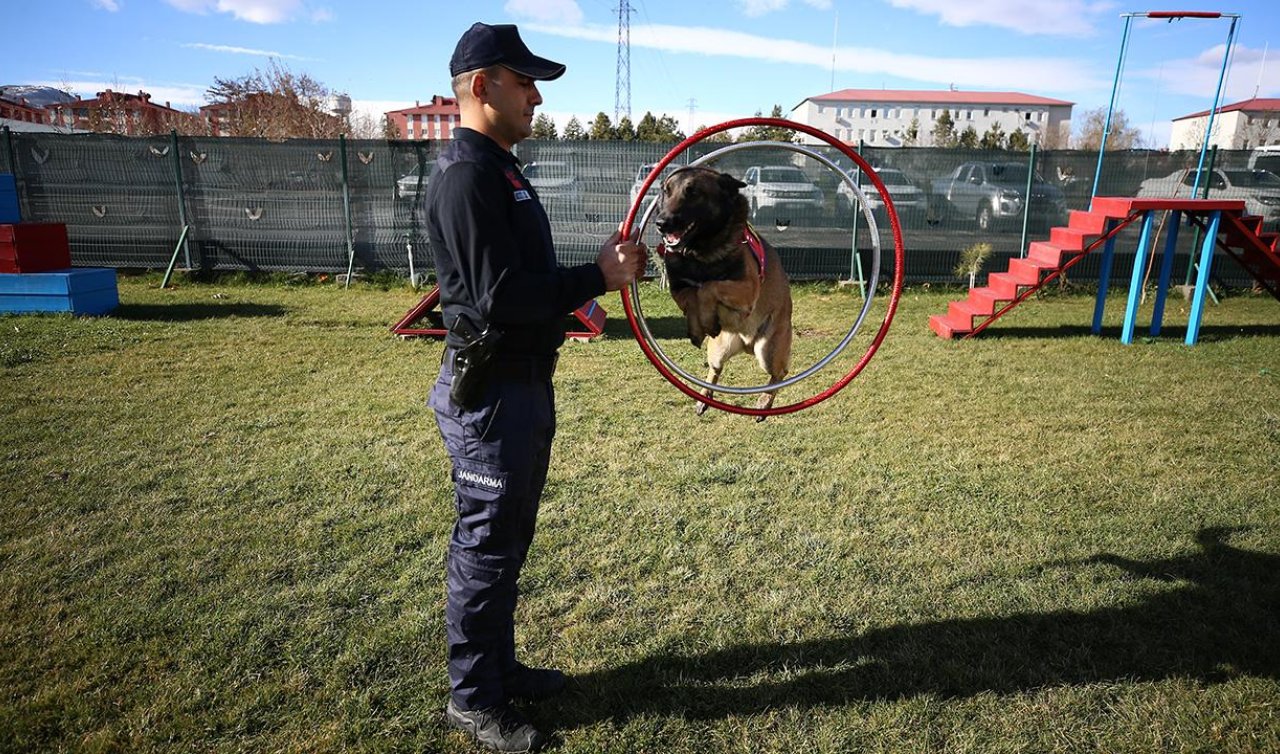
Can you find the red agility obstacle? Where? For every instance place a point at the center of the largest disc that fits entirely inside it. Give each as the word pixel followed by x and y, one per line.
pixel 590 316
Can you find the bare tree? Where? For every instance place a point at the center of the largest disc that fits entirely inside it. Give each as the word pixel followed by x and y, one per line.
pixel 275 103
pixel 1122 136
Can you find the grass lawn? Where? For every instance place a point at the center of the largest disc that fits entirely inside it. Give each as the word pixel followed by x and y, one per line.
pixel 224 509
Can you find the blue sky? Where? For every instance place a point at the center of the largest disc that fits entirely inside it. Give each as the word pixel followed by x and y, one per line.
pixel 700 62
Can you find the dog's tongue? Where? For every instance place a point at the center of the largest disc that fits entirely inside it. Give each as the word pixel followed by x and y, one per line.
pixel 672 240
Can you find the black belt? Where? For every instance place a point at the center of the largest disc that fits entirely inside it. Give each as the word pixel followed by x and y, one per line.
pixel 518 369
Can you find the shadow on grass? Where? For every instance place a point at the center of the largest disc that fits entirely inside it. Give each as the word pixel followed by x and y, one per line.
pixel 192 312
pixel 1219 618
pixel 1167 334
pixel 662 328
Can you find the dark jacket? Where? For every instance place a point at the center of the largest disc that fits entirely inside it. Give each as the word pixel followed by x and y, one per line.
pixel 493 252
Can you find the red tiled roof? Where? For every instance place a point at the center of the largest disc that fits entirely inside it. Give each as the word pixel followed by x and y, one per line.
pixel 437 106
pixel 1254 104
pixel 937 96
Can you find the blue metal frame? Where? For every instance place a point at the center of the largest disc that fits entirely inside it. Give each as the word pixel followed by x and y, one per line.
pixel 1202 277
pixel 1104 277
pixel 1115 89
pixel 1135 279
pixel 1166 271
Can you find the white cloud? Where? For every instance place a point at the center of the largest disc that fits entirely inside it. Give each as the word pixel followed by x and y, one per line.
pixel 177 95
pixel 376 108
pixel 1002 73
pixel 762 7
pixel 254 11
pixel 1198 76
pixel 108 5
pixel 546 11
pixel 1070 18
pixel 242 51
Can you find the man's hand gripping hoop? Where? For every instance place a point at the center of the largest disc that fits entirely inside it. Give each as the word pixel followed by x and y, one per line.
pixel 682 379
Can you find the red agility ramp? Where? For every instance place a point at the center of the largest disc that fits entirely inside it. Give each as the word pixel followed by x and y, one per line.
pixel 590 319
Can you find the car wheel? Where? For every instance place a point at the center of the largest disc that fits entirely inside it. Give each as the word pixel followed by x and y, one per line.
pixel 985 218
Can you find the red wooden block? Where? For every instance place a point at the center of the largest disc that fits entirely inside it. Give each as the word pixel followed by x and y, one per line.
pixel 34 247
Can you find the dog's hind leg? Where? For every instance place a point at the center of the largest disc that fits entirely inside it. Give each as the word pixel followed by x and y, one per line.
pixel 719 350
pixel 773 353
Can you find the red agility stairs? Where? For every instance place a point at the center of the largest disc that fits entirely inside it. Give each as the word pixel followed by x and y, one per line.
pixel 1224 223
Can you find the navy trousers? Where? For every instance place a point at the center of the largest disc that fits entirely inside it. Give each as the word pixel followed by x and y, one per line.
pixel 500 452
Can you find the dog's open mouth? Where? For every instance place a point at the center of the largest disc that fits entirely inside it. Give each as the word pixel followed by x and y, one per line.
pixel 674 239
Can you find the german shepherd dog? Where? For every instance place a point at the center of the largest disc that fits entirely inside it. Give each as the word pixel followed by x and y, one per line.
pixel 728 282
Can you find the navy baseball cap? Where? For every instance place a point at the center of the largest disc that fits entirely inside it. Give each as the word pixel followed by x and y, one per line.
pixel 483 45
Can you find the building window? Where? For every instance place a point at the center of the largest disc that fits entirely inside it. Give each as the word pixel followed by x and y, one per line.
pixel 873 113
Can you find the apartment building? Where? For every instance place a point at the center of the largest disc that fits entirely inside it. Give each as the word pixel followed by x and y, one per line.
pixel 884 117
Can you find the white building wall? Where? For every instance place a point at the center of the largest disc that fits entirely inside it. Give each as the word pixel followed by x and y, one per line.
pixel 885 124
pixel 1231 130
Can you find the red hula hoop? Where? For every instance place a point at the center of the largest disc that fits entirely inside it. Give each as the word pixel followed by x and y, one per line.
pixel 898 263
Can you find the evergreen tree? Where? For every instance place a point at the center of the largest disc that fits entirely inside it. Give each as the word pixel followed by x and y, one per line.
pixel 647 128
pixel 912 136
pixel 669 129
pixel 993 138
pixel 721 137
pixel 624 131
pixel 544 127
pixel 968 138
pixel 769 133
pixel 573 130
pixel 601 128
pixel 944 130
pixel 1018 141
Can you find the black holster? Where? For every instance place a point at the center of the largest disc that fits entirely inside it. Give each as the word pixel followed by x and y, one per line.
pixel 472 361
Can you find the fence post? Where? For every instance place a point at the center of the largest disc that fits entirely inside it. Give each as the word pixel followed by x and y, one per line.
pixel 1026 200
pixel 8 152
pixel 23 209
pixel 855 262
pixel 346 208
pixel 182 197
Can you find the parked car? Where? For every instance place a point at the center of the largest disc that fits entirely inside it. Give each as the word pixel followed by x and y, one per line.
pixel 557 187
pixel 1265 158
pixel 1260 189
pixel 993 194
pixel 906 196
pixel 642 172
pixel 781 193
pixel 407 185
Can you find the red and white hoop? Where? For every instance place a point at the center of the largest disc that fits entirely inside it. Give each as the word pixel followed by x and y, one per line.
pixel 680 379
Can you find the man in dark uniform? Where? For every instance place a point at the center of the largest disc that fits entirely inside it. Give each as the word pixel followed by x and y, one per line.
pixel 504 299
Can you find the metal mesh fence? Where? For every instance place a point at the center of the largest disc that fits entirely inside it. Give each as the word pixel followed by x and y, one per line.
pixel 306 205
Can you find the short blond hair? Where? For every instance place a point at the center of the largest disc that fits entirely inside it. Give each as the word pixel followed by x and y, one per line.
pixel 461 84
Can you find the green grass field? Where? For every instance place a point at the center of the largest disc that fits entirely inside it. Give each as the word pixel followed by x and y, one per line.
pixel 224 512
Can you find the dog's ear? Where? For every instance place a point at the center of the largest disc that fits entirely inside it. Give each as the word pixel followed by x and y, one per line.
pixel 730 184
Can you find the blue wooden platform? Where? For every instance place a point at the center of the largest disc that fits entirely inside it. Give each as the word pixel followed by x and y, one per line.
pixel 79 290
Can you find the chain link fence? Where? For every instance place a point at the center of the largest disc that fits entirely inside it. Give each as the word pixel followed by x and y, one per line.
pixel 316 205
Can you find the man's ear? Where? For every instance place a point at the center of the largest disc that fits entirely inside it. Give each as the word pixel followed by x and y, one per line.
pixel 479 84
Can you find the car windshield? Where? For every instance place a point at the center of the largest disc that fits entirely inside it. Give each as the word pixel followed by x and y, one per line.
pixel 782 175
pixel 893 177
pixel 1010 173
pixel 548 170
pixel 1253 178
